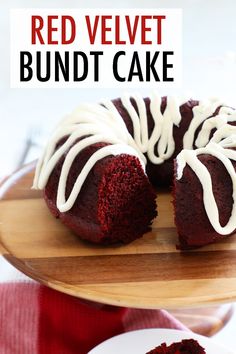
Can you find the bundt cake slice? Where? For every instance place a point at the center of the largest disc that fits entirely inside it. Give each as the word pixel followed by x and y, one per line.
pixel 115 204
pixel 186 346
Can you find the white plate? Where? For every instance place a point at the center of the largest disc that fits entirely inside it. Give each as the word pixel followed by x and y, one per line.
pixel 142 341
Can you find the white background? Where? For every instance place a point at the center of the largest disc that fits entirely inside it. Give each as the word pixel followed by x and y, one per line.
pixel 209 69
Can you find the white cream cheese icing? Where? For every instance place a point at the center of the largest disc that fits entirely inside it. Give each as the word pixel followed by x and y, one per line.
pixel 94 123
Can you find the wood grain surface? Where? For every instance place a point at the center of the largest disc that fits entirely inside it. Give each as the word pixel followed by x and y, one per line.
pixel 206 321
pixel 148 273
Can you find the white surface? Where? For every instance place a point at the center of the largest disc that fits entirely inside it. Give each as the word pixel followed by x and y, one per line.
pixel 142 341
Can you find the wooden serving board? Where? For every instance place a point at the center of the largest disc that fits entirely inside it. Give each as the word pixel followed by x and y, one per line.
pixel 148 273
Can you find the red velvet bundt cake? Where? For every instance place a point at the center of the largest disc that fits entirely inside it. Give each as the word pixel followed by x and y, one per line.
pixel 187 346
pixel 98 168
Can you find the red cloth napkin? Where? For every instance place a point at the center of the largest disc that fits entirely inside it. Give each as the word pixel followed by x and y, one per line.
pixel 37 320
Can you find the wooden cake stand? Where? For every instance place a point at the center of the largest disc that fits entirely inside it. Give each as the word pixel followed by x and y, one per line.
pixel 148 273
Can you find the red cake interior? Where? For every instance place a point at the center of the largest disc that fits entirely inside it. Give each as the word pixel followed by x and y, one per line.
pixel 126 200
pixel 187 346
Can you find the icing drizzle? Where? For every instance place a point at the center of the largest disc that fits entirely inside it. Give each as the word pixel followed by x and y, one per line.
pixel 94 123
pixel 220 146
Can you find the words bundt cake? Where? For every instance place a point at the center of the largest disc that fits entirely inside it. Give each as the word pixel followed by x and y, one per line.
pixel 187 346
pixel 99 167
